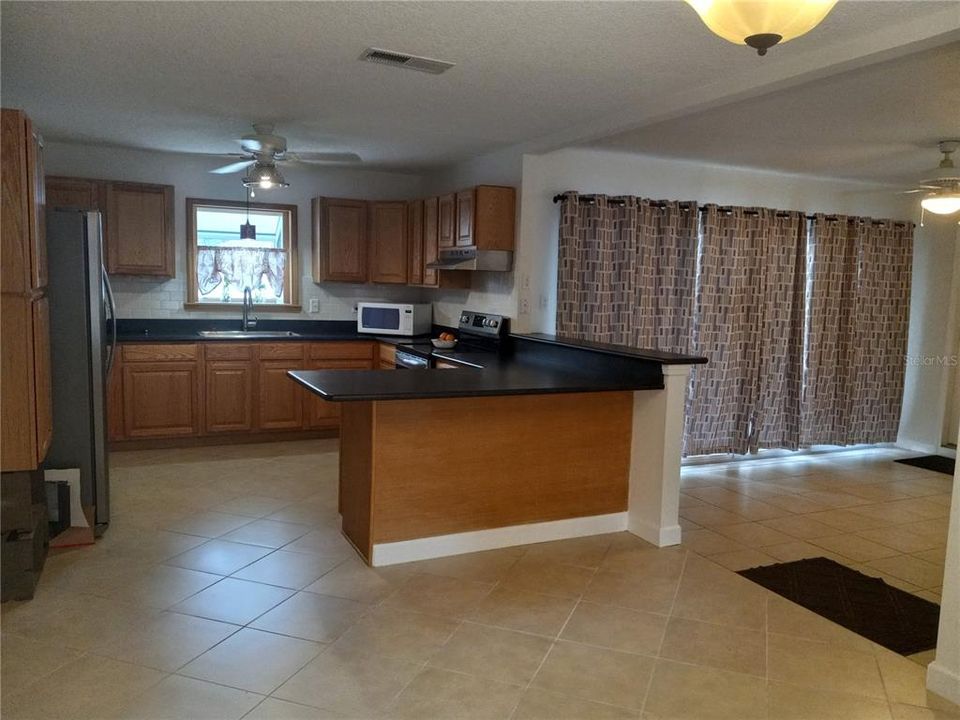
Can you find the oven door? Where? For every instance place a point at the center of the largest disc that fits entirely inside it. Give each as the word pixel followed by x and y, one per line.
pixel 409 361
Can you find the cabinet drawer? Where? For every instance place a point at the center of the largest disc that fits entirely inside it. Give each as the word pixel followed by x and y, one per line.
pixel 159 352
pixel 281 351
pixel 341 351
pixel 228 352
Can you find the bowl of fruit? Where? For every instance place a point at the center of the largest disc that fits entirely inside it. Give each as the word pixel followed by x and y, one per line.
pixel 446 341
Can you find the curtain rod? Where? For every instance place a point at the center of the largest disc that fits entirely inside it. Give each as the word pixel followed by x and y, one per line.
pixel 722 209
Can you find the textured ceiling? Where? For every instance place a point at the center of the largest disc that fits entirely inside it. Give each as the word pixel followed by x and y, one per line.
pixel 881 122
pixel 188 76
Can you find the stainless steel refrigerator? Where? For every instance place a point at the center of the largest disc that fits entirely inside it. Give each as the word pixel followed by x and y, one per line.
pixel 83 332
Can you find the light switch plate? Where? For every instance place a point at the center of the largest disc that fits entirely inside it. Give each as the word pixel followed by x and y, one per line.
pixel 314 305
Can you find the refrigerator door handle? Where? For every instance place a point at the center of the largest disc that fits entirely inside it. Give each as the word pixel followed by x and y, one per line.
pixel 113 320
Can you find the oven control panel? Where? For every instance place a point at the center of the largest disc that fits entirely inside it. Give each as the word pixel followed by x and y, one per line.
pixel 484 323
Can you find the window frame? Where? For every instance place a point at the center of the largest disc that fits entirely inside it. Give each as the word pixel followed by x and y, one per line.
pixel 291 281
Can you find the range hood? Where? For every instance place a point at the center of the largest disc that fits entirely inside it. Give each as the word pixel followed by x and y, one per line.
pixel 470 258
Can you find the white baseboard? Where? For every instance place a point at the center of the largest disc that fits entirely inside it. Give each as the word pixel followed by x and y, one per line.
pixel 477 540
pixel 943 682
pixel 659 536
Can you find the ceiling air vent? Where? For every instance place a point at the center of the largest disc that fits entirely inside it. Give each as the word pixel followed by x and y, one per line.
pixel 402 60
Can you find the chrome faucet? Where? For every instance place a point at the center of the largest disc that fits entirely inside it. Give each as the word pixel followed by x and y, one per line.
pixel 249 319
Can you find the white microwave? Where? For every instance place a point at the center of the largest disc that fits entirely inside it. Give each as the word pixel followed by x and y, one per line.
pixel 394 318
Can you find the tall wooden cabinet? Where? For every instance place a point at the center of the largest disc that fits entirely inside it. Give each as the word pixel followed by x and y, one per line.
pixel 26 427
pixel 138 221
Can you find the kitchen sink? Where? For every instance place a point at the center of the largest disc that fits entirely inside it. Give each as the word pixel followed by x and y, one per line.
pixel 247 334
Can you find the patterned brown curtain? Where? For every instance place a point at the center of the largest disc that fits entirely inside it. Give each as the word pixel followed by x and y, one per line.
pixel 627 271
pixel 857 330
pixel 749 324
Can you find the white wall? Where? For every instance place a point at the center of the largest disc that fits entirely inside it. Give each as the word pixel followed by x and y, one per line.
pixel 149 298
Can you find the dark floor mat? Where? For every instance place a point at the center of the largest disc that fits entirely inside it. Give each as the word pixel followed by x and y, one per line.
pixel 868 606
pixel 932 462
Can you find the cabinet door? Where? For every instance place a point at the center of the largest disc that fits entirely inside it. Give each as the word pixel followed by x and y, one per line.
pixel 388 242
pixel 339 240
pixel 465 218
pixel 161 399
pixel 446 219
pixel 228 392
pixel 323 413
pixel 281 399
pixel 41 370
pixel 38 210
pixel 140 229
pixel 74 193
pixel 415 242
pixel 387 357
pixel 431 229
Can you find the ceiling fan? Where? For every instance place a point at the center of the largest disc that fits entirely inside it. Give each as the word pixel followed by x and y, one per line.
pixel 942 187
pixel 263 150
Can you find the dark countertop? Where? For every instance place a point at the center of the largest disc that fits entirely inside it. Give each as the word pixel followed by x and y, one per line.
pixel 664 358
pixel 502 378
pixel 188 330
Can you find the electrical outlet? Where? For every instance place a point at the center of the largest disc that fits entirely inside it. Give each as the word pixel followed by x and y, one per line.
pixel 524 306
pixel 354 308
pixel 314 306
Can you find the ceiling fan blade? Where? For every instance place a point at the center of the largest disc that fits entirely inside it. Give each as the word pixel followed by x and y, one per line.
pixel 233 167
pixel 323 157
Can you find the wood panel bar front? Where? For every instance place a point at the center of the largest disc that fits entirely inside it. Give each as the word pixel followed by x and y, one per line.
pixel 413 469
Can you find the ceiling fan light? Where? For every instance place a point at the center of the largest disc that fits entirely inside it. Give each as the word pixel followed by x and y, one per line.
pixel 265 177
pixel 942 203
pixel 761 23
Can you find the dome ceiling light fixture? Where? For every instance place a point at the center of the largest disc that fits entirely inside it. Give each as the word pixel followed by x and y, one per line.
pixel 761 24
pixel 264 176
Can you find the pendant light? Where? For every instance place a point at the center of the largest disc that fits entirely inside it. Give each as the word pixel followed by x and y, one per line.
pixel 761 24
pixel 248 231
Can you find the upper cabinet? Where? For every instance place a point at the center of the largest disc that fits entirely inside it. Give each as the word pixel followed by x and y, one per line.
pixel 139 229
pixel 137 221
pixel 486 217
pixel 388 242
pixel 415 266
pixel 396 242
pixel 339 235
pixel 446 220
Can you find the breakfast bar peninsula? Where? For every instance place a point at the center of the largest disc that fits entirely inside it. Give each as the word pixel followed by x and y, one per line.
pixel 546 439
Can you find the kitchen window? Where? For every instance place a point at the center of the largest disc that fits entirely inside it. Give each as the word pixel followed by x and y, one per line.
pixel 223 260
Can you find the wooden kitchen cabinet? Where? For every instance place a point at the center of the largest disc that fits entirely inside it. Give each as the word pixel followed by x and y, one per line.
pixel 161 399
pixel 139 229
pixel 446 221
pixel 339 239
pixel 137 219
pixel 388 242
pixel 430 241
pixel 75 193
pixel 387 356
pixel 280 403
pixel 228 384
pixel 486 217
pixel 26 412
pixel 320 413
pixel 415 271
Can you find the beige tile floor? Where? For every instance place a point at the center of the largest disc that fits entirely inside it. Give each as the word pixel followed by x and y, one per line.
pixel 224 590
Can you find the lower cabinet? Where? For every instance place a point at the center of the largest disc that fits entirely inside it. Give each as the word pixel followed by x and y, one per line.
pixel 281 399
pixel 228 386
pixel 161 399
pixel 218 389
